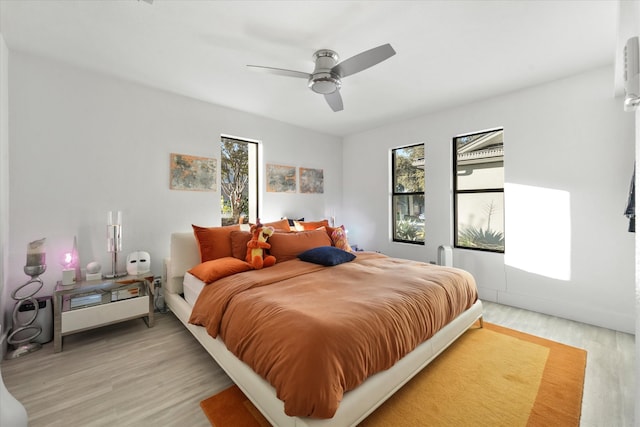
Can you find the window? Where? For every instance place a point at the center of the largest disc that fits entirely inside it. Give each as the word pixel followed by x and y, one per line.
pixel 238 180
pixel 478 188
pixel 407 164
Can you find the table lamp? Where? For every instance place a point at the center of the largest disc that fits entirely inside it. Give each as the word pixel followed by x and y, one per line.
pixel 23 332
pixel 68 271
pixel 114 242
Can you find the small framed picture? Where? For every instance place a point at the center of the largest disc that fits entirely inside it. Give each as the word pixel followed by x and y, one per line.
pixel 192 173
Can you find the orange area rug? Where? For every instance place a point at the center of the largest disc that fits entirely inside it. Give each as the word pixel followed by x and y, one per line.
pixel 491 376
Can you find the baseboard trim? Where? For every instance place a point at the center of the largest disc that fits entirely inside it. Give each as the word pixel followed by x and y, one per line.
pixel 566 310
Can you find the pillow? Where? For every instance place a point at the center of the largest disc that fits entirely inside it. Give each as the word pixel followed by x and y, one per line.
pixel 214 242
pixel 330 231
pixel 282 225
pixel 296 226
pixel 210 271
pixel 286 246
pixel 326 255
pixel 291 221
pixel 239 240
pixel 339 239
pixel 312 225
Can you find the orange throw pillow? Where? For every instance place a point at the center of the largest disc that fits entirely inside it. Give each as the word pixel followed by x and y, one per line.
pixel 339 239
pixel 214 242
pixel 330 231
pixel 216 269
pixel 312 225
pixel 282 225
pixel 287 246
pixel 239 240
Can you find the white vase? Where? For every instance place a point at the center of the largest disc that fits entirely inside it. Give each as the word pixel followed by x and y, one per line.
pixel 12 413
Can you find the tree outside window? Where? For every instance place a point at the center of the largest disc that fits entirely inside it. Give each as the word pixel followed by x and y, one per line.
pixel 238 180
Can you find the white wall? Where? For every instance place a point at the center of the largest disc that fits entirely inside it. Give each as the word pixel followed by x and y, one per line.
pixel 570 135
pixel 637 264
pixel 83 143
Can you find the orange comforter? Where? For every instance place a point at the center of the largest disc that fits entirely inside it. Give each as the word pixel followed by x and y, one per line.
pixel 316 332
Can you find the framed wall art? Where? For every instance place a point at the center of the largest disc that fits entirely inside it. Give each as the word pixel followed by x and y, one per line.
pixel 281 179
pixel 192 173
pixel 311 180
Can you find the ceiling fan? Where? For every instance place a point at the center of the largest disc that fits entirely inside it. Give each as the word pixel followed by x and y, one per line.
pixel 326 78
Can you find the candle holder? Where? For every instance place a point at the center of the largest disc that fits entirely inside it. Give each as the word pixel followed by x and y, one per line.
pixel 26 331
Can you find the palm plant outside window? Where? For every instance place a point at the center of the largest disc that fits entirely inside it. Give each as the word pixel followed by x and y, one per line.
pixel 408 183
pixel 479 191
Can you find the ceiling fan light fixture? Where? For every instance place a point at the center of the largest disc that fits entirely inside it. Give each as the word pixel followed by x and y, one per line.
pixel 324 83
pixel 326 58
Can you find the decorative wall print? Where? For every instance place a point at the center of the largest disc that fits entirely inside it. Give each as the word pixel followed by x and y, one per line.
pixel 281 179
pixel 311 180
pixel 192 173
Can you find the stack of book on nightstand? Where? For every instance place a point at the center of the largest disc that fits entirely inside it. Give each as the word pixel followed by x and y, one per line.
pixel 104 297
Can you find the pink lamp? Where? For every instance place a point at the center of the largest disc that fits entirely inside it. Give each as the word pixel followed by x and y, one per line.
pixel 68 272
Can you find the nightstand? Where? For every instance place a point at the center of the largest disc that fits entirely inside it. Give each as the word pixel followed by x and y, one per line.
pixel 87 305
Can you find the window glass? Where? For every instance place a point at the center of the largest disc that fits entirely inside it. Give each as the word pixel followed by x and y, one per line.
pixel 408 181
pixel 409 169
pixel 238 180
pixel 480 220
pixel 479 191
pixel 480 175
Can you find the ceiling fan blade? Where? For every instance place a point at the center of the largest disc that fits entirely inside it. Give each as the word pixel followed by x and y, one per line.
pixel 281 71
pixel 364 60
pixel 334 100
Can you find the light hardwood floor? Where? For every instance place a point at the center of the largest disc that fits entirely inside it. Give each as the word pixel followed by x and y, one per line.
pixel 131 375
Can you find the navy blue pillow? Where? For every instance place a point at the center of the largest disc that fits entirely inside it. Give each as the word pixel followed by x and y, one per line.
pixel 326 255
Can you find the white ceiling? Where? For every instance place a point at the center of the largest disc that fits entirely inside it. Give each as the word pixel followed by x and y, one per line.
pixel 448 52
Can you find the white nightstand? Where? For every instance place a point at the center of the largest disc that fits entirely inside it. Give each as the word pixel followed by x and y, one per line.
pixel 88 305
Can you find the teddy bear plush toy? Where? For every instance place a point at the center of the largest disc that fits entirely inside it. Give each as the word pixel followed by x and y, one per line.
pixel 257 245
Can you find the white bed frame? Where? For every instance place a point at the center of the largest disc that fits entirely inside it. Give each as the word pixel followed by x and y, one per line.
pixel 355 405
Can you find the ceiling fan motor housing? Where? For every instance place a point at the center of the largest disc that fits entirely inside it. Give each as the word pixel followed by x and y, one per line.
pixel 322 80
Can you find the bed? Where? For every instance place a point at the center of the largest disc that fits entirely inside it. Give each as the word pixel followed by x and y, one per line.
pixel 181 293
